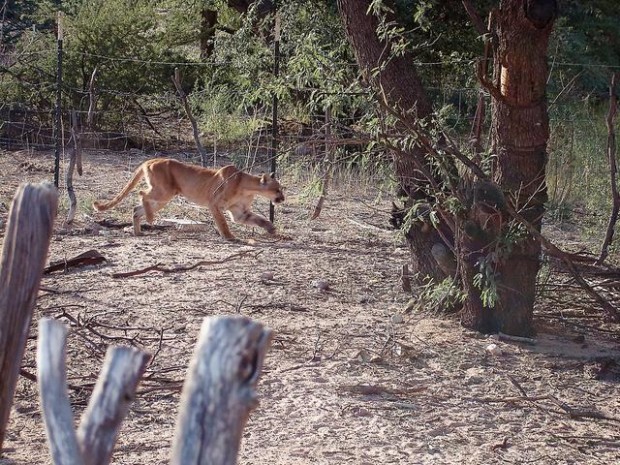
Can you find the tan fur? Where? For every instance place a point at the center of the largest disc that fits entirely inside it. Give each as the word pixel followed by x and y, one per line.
pixel 224 189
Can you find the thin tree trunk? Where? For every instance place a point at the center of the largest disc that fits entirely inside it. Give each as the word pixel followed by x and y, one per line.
pixel 176 79
pixel 208 25
pixel 613 169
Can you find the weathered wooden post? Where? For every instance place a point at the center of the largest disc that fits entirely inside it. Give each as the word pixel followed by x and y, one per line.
pixel 219 392
pixel 115 388
pixel 52 369
pixel 26 242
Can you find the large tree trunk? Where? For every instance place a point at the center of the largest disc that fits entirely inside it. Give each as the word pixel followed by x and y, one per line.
pixel 519 133
pixel 497 265
pixel 402 89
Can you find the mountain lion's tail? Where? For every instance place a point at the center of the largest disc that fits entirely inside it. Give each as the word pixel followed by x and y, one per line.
pixel 135 179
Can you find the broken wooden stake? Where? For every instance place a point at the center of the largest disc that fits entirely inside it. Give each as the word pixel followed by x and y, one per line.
pixel 26 241
pixel 219 392
pixel 115 389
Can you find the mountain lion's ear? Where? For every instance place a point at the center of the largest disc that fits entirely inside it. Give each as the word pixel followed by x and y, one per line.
pixel 263 178
pixel 273 175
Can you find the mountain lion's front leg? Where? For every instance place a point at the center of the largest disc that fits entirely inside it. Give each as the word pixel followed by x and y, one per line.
pixel 243 215
pixel 220 222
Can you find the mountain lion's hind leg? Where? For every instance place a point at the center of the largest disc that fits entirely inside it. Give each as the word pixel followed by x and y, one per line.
pixel 138 212
pixel 152 201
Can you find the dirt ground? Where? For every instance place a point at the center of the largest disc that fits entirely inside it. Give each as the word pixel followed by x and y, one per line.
pixel 350 377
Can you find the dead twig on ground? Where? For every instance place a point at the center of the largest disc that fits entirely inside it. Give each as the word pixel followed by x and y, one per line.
pixel 91 257
pixel 177 269
pixel 516 384
pixel 74 387
pixel 367 225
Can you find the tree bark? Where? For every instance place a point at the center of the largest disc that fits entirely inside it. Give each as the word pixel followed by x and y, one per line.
pixel 519 135
pixel 399 85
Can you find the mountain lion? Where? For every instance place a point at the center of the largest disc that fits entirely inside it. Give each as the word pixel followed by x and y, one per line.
pixel 221 189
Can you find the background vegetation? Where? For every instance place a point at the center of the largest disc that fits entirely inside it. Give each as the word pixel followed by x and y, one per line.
pixel 136 45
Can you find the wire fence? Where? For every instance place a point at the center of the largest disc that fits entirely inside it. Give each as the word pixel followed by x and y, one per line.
pixel 163 126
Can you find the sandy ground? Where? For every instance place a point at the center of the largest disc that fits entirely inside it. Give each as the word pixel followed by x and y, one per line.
pixel 350 377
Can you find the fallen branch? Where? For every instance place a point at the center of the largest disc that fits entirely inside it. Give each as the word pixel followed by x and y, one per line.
pixel 367 225
pixel 507 337
pixel 74 387
pixel 177 269
pixel 91 257
pixel 112 224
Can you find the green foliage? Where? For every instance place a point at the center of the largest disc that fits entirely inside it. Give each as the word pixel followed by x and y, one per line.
pixel 486 281
pixel 585 41
pixel 122 39
pixel 439 298
pixel 20 17
pixel 224 120
pixel 31 77
pixel 578 170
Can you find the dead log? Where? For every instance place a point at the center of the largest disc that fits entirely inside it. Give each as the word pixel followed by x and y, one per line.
pixel 219 393
pixel 28 232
